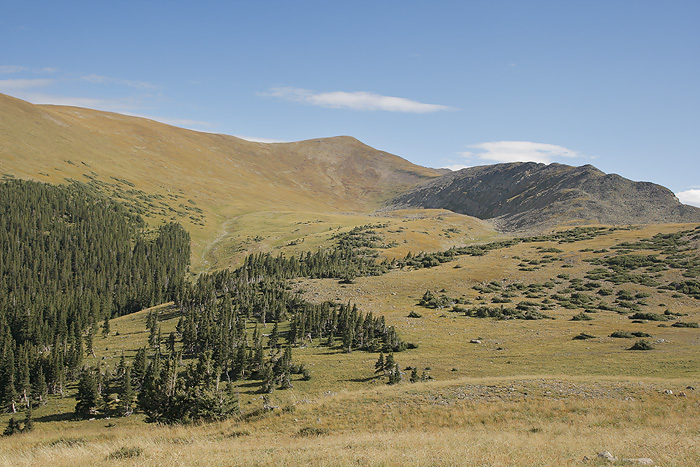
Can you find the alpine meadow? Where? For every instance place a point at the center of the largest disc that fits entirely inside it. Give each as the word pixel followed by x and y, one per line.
pixel 174 297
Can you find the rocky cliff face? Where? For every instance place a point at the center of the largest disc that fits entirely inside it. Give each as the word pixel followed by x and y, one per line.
pixel 520 196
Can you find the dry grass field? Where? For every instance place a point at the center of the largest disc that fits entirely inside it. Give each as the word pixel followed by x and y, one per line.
pixel 475 422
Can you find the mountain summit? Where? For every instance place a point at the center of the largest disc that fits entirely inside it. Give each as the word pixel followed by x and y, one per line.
pixel 526 195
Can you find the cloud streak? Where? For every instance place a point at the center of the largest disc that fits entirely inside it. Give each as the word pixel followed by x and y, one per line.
pixel 7 69
pixel 99 79
pixel 12 85
pixel 515 151
pixel 691 197
pixel 359 100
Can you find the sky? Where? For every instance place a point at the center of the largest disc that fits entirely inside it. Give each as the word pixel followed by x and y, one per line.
pixel 612 83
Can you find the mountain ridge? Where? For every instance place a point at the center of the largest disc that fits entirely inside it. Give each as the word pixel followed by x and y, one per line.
pixel 528 195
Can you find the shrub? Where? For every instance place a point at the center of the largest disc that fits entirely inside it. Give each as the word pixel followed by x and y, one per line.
pixel 583 336
pixel 649 316
pixel 581 317
pixel 309 431
pixel 413 314
pixel 622 335
pixel 642 345
pixel 679 324
pixel 126 453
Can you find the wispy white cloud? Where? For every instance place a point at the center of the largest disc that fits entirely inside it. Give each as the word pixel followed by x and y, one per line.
pixel 691 197
pixel 13 85
pixel 93 78
pixel 359 100
pixel 7 69
pixel 514 151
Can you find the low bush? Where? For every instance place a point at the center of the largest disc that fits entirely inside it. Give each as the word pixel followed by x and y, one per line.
pixel 642 345
pixel 126 453
pixel 622 335
pixel 309 431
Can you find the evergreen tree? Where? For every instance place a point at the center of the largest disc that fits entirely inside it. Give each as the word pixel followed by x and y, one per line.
pixel 10 390
pixel 106 327
pixel 395 375
pixel 139 367
pixel 389 363
pixel 126 393
pixel 28 421
pixel 40 389
pixel 274 338
pixel 268 377
pixel 13 427
pixel 171 343
pixel 414 375
pixel 379 365
pixel 88 394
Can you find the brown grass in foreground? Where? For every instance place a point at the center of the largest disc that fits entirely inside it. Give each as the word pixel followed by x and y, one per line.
pixel 485 422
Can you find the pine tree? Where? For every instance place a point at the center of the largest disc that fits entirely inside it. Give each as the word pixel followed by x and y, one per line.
pixel 28 421
pixel 88 394
pixel 12 427
pixel 89 343
pixel 268 376
pixel 171 343
pixel 126 393
pixel 139 367
pixel 395 375
pixel 24 385
pixel 153 336
pixel 379 365
pixel 389 363
pixel 105 327
pixel 414 375
pixel 274 338
pixel 40 389
pixel 10 390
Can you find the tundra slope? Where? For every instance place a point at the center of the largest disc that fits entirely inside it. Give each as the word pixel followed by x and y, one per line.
pixel 533 196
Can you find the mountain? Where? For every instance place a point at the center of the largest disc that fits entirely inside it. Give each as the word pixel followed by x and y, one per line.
pixel 201 180
pixel 529 195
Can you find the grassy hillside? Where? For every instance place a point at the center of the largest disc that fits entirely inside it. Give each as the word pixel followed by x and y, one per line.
pixel 500 391
pixel 523 347
pixel 202 180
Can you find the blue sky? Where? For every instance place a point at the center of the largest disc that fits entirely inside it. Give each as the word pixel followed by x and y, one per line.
pixel 611 83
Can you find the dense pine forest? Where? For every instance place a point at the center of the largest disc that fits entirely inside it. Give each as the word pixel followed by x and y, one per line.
pixel 71 259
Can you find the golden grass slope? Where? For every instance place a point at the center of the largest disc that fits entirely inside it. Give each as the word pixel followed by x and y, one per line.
pixel 202 180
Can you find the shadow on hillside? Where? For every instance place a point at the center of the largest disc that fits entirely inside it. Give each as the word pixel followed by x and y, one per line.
pixel 57 417
pixel 362 380
pixel 169 313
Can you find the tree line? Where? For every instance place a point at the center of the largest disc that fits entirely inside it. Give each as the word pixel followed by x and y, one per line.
pixel 70 259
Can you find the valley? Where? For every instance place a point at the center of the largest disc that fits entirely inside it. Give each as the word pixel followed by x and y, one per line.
pixel 516 340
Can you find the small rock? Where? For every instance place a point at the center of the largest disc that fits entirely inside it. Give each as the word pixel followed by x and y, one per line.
pixel 475 341
pixel 690 388
pixel 668 391
pixel 605 455
pixel 639 460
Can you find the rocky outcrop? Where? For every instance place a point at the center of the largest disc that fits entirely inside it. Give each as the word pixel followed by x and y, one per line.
pixel 529 195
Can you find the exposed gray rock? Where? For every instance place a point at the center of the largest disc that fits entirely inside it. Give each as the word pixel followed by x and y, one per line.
pixel 605 455
pixel 521 196
pixel 639 460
